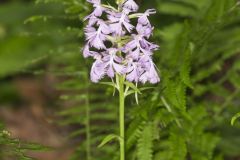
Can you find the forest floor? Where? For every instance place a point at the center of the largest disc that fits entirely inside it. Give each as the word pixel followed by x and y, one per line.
pixel 35 121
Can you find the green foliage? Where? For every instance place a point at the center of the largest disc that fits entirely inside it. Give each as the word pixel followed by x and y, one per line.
pixel 19 48
pixel 192 57
pixel 145 143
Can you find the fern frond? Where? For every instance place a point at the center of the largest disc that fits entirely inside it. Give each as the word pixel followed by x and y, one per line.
pixel 145 143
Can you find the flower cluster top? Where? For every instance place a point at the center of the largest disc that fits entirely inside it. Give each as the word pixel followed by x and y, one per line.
pixel 118 46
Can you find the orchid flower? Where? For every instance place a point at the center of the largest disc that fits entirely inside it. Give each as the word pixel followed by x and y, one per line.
pixel 121 50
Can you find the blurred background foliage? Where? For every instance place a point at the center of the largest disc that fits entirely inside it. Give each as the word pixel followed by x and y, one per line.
pixel 185 117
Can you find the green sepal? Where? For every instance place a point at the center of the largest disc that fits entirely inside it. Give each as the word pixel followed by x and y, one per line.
pixel 141 89
pixel 131 85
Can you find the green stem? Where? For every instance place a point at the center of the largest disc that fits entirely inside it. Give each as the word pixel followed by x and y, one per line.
pixel 121 117
pixel 88 133
pixel 121 104
pixel 88 129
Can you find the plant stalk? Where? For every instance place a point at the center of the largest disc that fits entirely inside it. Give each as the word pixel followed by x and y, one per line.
pixel 88 129
pixel 88 133
pixel 121 117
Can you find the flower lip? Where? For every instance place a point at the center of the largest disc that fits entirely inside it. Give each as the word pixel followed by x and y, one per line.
pixel 150 11
pixel 143 18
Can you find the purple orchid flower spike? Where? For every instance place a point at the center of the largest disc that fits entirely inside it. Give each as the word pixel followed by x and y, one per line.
pixel 132 59
pixel 139 45
pixel 113 63
pixel 97 37
pixel 130 5
pixel 150 73
pixel 145 31
pixel 134 70
pixel 88 53
pixel 92 21
pixel 118 21
pixel 143 19
pixel 97 70
pixel 98 11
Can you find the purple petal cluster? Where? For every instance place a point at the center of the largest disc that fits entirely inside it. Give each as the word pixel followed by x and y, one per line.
pixel 118 46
